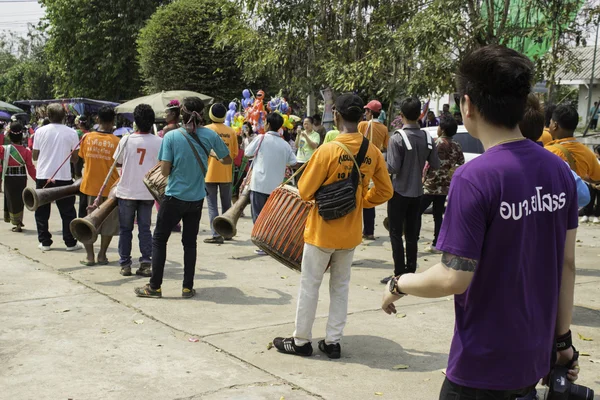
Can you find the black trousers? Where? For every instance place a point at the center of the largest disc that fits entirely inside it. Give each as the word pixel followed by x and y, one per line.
pixel 66 208
pixel 171 212
pixel 594 124
pixel 439 201
pixel 452 391
pixel 403 217
pixel 368 221
pixel 593 208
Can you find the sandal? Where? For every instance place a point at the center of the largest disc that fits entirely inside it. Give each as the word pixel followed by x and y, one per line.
pixel 87 263
pixel 103 262
pixel 17 229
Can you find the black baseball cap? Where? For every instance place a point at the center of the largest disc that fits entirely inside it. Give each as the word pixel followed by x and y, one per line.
pixel 350 107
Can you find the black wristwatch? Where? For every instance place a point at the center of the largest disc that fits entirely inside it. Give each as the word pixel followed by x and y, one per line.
pixel 393 287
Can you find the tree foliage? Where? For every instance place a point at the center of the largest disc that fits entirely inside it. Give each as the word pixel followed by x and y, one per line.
pixel 92 46
pixel 388 48
pixel 177 51
pixel 24 72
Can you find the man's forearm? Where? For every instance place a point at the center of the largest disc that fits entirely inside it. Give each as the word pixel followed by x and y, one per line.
pixel 566 299
pixel 435 282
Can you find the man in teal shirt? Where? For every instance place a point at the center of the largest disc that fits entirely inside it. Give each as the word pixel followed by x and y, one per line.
pixel 184 194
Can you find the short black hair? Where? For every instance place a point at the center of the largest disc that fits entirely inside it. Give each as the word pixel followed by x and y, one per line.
pixel 106 114
pixel 497 80
pixel 16 127
pixel 566 116
pixel 375 114
pixel 448 125
pixel 275 121
pixel 411 108
pixel 317 117
pixel 532 124
pixel 548 111
pixel 311 119
pixel 144 117
pixel 45 121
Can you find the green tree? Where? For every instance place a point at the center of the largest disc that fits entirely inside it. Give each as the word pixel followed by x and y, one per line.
pixel 177 51
pixel 92 46
pixel 24 72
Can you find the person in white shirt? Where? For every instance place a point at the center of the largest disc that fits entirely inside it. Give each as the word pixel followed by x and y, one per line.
pixel 51 148
pixel 271 155
pixel 137 153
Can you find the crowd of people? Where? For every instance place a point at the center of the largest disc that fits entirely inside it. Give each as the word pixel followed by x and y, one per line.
pixel 494 217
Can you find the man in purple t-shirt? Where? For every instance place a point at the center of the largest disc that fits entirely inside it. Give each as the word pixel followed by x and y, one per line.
pixel 508 243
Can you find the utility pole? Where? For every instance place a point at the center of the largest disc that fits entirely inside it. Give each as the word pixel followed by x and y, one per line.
pixel 590 91
pixel 590 88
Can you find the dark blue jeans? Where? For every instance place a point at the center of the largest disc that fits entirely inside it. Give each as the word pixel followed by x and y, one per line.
pixel 128 210
pixel 171 212
pixel 452 391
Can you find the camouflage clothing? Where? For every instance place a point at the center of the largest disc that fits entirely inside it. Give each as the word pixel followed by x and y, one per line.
pixel 437 181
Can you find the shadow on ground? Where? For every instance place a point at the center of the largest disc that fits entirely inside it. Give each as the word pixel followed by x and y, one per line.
pixel 230 295
pixel 584 316
pixel 380 353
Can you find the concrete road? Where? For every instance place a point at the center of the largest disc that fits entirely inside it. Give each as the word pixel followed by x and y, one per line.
pixel 74 332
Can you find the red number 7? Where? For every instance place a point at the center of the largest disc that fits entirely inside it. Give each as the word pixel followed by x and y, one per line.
pixel 143 151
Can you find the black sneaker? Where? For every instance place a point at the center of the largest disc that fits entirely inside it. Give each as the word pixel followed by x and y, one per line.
pixel 187 293
pixel 214 240
pixel 386 279
pixel 332 350
pixel 145 269
pixel 288 346
pixel 126 271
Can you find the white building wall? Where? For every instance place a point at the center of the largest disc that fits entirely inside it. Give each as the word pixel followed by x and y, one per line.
pixel 582 107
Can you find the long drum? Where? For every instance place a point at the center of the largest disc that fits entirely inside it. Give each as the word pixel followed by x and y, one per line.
pixel 156 183
pixel 279 229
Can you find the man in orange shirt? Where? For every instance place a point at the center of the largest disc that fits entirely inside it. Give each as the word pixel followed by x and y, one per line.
pixel 219 176
pixel 97 150
pixel 579 157
pixel 377 133
pixel 332 242
pixel 546 136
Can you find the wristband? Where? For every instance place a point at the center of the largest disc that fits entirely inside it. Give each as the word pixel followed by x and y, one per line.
pixel 394 289
pixel 565 341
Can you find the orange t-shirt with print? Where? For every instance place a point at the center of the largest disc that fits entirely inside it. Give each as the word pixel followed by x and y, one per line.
pixel 218 172
pixel 97 150
pixel 380 135
pixel 327 165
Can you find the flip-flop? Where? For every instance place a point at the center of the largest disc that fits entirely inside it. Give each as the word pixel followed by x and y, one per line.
pixel 87 263
pixel 104 262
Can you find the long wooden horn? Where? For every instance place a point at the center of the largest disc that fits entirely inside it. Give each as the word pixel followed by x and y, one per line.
pixel 225 225
pixel 34 198
pixel 86 229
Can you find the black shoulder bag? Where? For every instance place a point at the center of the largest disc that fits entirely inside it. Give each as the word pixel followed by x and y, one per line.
pixel 339 198
pixel 197 140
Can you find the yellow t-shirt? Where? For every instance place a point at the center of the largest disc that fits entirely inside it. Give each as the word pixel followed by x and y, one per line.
pixel 97 150
pixel 586 163
pixel 380 135
pixel 217 172
pixel 327 166
pixel 546 137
